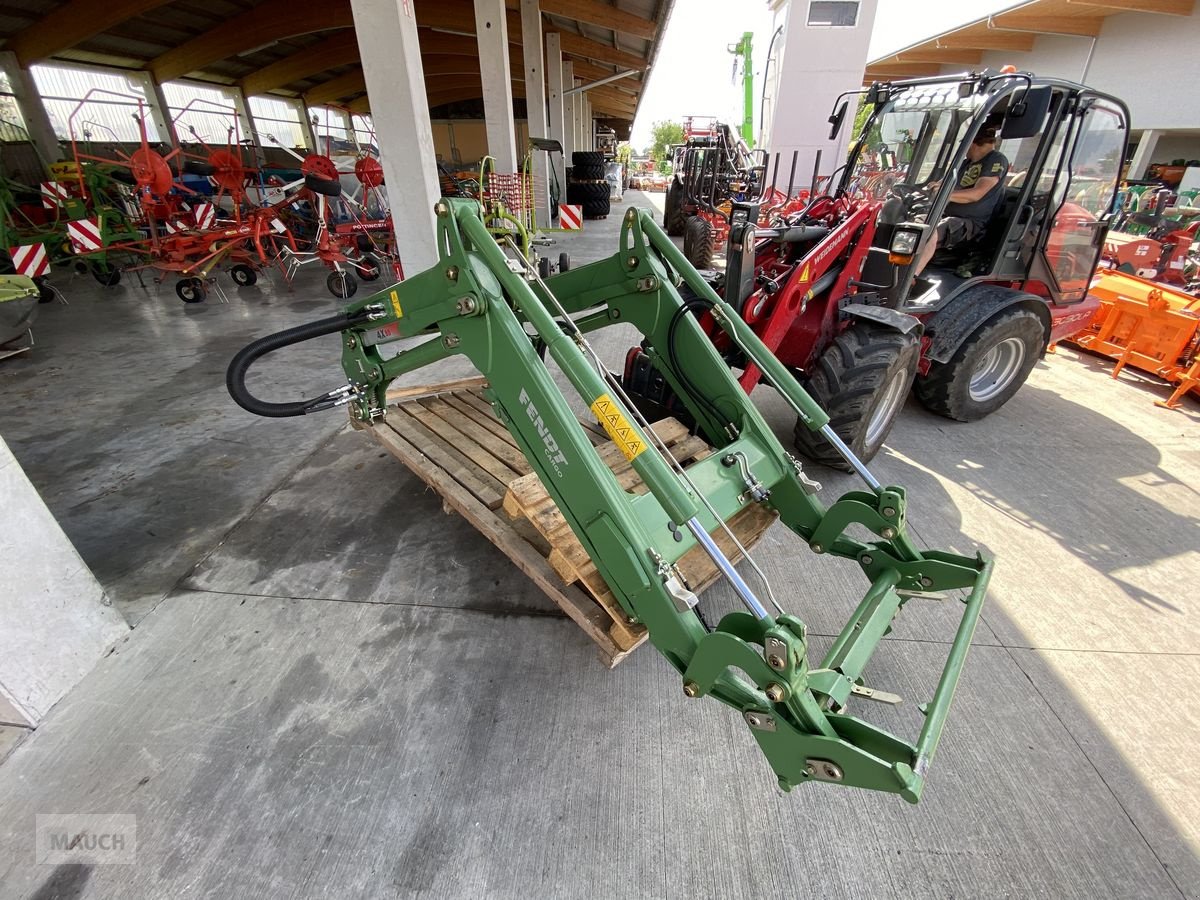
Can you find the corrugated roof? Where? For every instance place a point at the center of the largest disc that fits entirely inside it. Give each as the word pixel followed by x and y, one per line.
pixel 1015 29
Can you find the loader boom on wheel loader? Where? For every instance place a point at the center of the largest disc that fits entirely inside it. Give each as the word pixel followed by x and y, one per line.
pixel 832 291
pixel 801 714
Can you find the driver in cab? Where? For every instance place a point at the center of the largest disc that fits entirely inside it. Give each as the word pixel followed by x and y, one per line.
pixel 973 200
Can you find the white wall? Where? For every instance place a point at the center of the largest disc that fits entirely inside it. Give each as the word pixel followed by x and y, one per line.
pixel 55 621
pixel 1149 61
pixel 1176 146
pixel 816 64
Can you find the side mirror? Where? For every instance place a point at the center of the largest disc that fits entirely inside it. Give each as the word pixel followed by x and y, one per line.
pixel 836 120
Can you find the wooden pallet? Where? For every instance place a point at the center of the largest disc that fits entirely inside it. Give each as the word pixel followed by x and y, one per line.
pixel 449 437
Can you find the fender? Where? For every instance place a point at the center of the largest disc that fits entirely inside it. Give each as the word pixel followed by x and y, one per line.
pixel 951 325
pixel 883 315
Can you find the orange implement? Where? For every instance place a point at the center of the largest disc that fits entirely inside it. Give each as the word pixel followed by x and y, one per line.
pixel 1149 326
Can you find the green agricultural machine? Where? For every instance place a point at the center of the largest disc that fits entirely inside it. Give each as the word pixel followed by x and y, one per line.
pixel 472 303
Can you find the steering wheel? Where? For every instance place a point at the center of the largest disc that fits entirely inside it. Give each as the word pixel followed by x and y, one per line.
pixel 916 200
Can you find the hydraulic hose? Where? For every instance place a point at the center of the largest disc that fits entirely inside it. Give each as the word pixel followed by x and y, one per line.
pixel 235 377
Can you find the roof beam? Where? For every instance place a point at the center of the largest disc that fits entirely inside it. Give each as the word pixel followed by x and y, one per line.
pixel 986 40
pixel 259 26
pixel 596 13
pixel 575 45
pixel 339 49
pixel 73 23
pixel 946 57
pixel 1166 7
pixel 440 42
pixel 349 85
pixel 1039 24
pixel 888 70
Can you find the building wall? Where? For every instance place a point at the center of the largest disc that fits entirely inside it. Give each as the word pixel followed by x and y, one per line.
pixel 816 65
pixel 463 142
pixel 1149 61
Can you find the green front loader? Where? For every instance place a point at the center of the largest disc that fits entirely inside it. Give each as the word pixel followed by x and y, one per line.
pixel 473 303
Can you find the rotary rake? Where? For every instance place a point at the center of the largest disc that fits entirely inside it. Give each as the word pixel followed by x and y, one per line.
pixel 473 303
pixel 352 232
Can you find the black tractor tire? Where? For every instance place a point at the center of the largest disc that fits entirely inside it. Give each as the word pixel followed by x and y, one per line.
pixel 191 290
pixel 861 380
pixel 341 284
pixel 588 173
pixel 676 221
pixel 581 193
pixel 564 262
pixel 597 209
pixel 45 292
pixel 587 158
pixel 243 275
pixel 368 268
pixel 989 367
pixel 697 242
pixel 108 276
pixel 543 267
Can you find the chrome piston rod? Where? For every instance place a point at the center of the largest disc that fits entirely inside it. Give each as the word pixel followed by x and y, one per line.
pixel 721 561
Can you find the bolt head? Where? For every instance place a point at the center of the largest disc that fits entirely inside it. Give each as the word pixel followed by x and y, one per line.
pixel 926 581
pixel 888 533
pixel 775 662
pixel 452 273
pixel 866 560
pixel 775 692
pixel 810 769
pixel 889 511
pixel 691 689
pixel 632 262
pixel 817 548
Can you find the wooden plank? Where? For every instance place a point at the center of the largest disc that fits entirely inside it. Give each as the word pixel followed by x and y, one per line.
pixel 585 613
pixel 460 400
pixel 441 455
pixel 505 452
pixel 488 467
pixel 395 395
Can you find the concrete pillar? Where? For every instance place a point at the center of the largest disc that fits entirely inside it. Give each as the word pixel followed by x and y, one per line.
pixel 589 130
pixel 554 81
pixel 491 30
pixel 391 62
pixel 57 621
pixel 160 112
pixel 306 126
pixel 245 120
pixel 37 123
pixel 1144 154
pixel 535 103
pixel 569 103
pixel 577 116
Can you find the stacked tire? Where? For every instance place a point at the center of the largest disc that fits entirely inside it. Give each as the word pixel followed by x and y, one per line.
pixel 586 184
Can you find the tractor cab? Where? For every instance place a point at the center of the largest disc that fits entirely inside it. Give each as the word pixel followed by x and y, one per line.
pixel 1064 145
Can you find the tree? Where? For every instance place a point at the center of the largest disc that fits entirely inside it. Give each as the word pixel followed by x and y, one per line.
pixel 663 135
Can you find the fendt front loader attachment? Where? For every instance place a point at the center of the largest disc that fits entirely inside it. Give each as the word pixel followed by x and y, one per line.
pixel 474 303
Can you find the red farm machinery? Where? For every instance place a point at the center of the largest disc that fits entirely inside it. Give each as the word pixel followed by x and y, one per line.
pixel 831 289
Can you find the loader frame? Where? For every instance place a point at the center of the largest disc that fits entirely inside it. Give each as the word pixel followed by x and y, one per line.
pixel 473 303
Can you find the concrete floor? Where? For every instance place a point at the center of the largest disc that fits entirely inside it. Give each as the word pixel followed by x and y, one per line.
pixel 334 689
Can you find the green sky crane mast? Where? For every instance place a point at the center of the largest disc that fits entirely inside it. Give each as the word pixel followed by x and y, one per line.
pixel 742 49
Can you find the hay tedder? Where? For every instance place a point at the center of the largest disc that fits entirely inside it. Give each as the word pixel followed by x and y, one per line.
pixel 634 509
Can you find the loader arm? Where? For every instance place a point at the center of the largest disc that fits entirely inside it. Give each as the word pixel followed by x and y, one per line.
pixel 472 303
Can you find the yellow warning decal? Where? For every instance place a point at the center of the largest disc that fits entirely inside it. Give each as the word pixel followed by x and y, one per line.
pixel 624 435
pixel 804 273
pixel 396 305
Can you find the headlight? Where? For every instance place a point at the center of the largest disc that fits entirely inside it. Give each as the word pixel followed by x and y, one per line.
pixel 904 243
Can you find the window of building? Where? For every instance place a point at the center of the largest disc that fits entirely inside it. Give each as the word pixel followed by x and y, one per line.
pixel 203 114
pixel 12 125
pixel 278 118
pixel 833 13
pixel 94 104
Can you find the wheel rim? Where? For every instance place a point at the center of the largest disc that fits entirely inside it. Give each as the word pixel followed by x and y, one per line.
pixel 997 369
pixel 885 410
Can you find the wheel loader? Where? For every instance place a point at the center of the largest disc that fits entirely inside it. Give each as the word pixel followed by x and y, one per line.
pixel 833 292
pixel 490 305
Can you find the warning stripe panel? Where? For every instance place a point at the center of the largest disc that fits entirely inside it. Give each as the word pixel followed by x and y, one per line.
pixel 84 235
pixel 30 260
pixel 570 216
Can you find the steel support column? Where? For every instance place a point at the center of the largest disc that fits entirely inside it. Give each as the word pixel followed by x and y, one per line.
pixel 555 83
